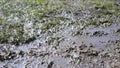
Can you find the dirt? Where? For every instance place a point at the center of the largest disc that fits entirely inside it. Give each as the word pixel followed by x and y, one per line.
pixel 95 48
pixel 81 38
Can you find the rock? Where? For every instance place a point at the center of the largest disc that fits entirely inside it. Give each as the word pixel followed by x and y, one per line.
pixel 118 31
pixel 99 33
pixel 50 64
pixel 115 65
pixel 8 56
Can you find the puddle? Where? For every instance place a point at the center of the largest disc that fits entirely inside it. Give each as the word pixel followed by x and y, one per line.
pixel 110 29
pixel 95 41
pixel 109 34
pixel 54 56
pixel 26 47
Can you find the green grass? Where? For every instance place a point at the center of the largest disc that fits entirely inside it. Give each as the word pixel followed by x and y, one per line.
pixel 107 6
pixel 104 11
pixel 48 25
pixel 13 31
pixel 47 6
pixel 53 22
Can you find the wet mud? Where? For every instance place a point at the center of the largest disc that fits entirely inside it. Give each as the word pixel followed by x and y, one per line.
pixel 94 48
pixel 73 42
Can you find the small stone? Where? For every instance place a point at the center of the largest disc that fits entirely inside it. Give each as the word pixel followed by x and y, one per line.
pixel 50 64
pixel 115 65
pixel 118 30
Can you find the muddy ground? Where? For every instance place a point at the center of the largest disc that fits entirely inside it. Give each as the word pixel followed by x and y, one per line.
pixel 67 36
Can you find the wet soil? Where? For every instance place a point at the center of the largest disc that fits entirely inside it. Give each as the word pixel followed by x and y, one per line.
pixel 71 43
pixel 96 47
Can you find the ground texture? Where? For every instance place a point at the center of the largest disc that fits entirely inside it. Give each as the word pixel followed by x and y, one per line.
pixel 59 34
